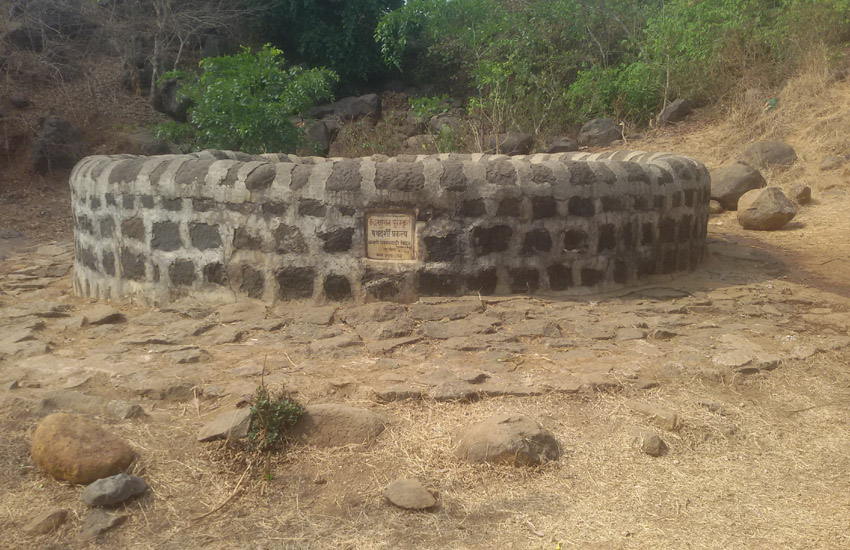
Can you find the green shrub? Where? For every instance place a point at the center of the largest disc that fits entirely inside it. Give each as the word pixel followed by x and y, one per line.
pixel 246 102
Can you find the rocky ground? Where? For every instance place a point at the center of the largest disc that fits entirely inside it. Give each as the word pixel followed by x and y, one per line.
pixel 739 368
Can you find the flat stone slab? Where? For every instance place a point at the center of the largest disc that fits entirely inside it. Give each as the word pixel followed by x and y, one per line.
pixel 231 424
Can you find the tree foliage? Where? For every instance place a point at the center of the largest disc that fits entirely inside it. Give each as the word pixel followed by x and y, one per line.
pixel 330 33
pixel 541 63
pixel 246 102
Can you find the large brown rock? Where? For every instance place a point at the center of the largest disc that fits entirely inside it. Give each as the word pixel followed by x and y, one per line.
pixel 507 438
pixel 75 449
pixel 728 183
pixel 770 154
pixel 512 143
pixel 675 112
pixel 335 425
pixel 765 209
pixel 600 132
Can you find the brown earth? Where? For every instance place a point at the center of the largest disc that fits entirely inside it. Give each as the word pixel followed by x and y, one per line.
pixel 750 351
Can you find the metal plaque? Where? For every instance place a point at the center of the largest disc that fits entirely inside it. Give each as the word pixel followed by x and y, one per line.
pixel 390 235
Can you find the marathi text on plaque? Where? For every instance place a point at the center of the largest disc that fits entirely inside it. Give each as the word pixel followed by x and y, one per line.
pixel 390 235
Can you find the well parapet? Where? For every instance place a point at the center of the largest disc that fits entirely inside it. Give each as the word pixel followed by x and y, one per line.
pixel 279 227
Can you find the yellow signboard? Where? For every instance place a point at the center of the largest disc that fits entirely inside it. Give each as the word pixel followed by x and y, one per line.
pixel 390 235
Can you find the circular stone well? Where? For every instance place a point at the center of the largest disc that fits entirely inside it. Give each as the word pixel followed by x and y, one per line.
pixel 280 227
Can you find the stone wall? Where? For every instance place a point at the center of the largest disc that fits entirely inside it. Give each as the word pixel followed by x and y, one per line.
pixel 279 227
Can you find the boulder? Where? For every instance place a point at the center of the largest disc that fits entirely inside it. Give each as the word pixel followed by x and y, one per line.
pixel 562 145
pixel 512 143
pixel 57 145
pixel 507 438
pixel 600 132
pixel 351 108
pixel 801 193
pixel 424 143
pixel 765 209
pixel 714 207
pixel 769 154
pixel 728 183
pixel 72 448
pixel 113 490
pixel 335 425
pixel 215 45
pixel 19 102
pixel 322 133
pixel 142 142
pixel 410 494
pixel 675 112
pixel 25 38
pixel 167 100
pixel 435 125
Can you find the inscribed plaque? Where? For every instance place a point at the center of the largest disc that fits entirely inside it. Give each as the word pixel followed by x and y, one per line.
pixel 390 235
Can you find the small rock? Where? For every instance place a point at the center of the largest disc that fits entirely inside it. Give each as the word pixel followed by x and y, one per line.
pixel 72 448
pixel 473 377
pixel 99 521
pixel 728 183
pixel 396 392
pixel 801 193
pixel 770 154
pixel 231 424
pixel 113 490
pixel 661 417
pixel 123 410
pixel 507 438
pixel 675 112
pixel 410 494
pixel 47 521
pixel 765 209
pixel 600 132
pixel 662 334
pixel 335 425
pixel 562 145
pixel 714 207
pixel 832 163
pixel 649 442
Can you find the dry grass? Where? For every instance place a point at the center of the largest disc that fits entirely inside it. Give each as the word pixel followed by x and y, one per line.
pixel 751 477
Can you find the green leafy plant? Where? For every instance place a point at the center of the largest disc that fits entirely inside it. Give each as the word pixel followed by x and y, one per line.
pixel 272 418
pixel 246 102
pixel 426 107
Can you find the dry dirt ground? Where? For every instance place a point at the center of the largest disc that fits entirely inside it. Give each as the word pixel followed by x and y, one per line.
pixel 751 351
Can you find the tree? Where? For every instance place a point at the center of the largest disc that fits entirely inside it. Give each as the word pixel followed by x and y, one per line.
pixel 246 102
pixel 337 34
